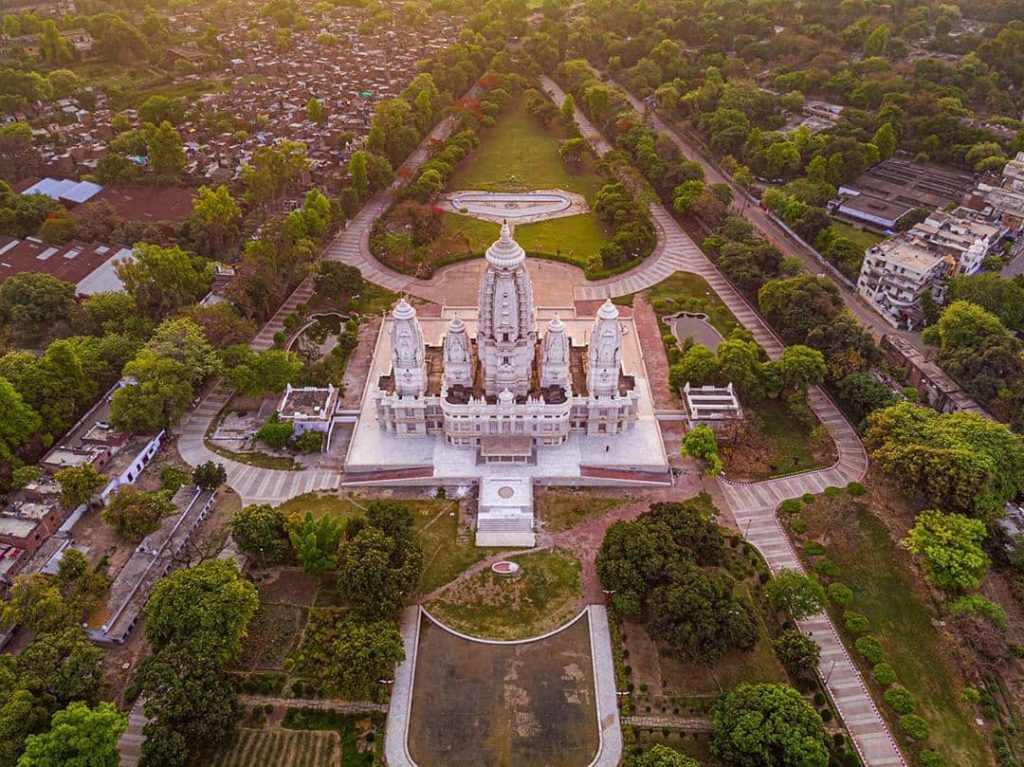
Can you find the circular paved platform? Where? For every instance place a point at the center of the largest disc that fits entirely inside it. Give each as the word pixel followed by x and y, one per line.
pixel 517 207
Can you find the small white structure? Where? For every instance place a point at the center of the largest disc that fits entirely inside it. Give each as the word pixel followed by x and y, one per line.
pixel 712 405
pixel 308 408
pixel 505 513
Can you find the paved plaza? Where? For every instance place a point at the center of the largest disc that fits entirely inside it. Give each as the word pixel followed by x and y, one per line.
pixel 515 207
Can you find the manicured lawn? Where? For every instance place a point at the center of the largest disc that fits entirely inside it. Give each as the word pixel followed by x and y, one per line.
pixel 541 597
pixel 444 557
pixel 563 509
pixel 578 238
pixel 887 590
pixel 685 291
pixel 520 154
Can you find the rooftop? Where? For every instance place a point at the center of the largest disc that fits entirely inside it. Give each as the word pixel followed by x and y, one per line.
pixel 308 403
pixel 75 262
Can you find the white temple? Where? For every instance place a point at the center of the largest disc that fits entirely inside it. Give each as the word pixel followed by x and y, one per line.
pixel 507 390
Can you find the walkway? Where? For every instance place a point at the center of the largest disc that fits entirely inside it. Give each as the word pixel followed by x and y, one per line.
pixel 253 483
pixel 753 504
pixel 673 723
pixel 319 704
pixel 129 747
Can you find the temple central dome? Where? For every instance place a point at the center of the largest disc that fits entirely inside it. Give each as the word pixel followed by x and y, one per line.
pixel 505 253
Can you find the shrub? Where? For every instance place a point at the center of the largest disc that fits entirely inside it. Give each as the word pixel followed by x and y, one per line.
pixel 813 549
pixel 172 478
pixel 808 498
pixel 971 695
pixel 899 700
pixel 832 491
pixel 869 647
pixel 976 604
pixel 932 759
pixel 275 433
pixel 798 526
pixel 884 673
pixel 791 506
pixel 856 623
pixel 309 442
pixel 840 594
pixel 914 726
pixel 827 568
pixel 855 488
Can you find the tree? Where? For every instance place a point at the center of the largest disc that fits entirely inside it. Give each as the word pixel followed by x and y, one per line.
pixel 363 654
pixel 885 140
pixel 162 280
pixel 209 476
pixel 134 513
pixel 571 151
pixel 19 423
pixel 998 295
pixel 166 153
pixel 315 542
pixel 792 592
pixel 182 341
pixel 315 111
pixel 32 303
pixel 160 396
pixel 800 367
pixel 767 725
pixel 797 651
pixel 221 324
pixel 861 394
pixel 962 462
pixel 685 196
pixel 159 109
pixel 950 548
pixel 79 736
pixel 357 171
pixel 78 484
pixel 380 561
pixel 190 702
pixel 568 112
pixel 697 614
pixel 660 756
pixel 36 603
pixel 215 219
pixel 265 372
pixel 337 281
pixel 698 367
pixel 260 532
pixel 700 443
pixel 275 433
pixel 209 605
pixel 273 170
pixel 797 305
pixel 877 42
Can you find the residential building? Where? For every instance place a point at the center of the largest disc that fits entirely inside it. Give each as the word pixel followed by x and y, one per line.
pixel 896 273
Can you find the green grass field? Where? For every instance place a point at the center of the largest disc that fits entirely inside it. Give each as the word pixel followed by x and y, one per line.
pixel 862 238
pixel 520 154
pixel 542 597
pixel 444 557
pixel 887 591
pixel 685 291
pixel 564 510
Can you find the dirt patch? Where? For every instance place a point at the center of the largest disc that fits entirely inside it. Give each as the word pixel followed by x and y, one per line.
pixel 358 366
pixel 531 705
pixel 655 358
pixel 288 586
pixel 273 633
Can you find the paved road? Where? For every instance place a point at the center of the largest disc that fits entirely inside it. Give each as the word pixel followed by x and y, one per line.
pixel 753 504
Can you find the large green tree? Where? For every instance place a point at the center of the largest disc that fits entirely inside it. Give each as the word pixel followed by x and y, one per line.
pixel 208 606
pixel 135 513
pixel 261 532
pixel 215 220
pixel 162 280
pixel 767 725
pixel 950 549
pixel 32 304
pixel 79 736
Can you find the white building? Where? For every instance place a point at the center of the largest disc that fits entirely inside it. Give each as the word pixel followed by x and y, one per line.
pixel 508 390
pixel 505 512
pixel 896 273
pixel 964 239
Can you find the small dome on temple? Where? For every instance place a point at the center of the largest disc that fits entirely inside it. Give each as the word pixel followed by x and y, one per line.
pixel 608 310
pixel 403 310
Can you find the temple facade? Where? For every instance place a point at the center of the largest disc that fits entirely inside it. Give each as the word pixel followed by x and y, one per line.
pixel 506 389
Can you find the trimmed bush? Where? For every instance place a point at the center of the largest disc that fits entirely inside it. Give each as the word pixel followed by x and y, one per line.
pixel 813 549
pixel 976 604
pixel 869 647
pixel 884 673
pixel 856 488
pixel 840 594
pixel 808 498
pixel 798 526
pixel 932 759
pixel 792 506
pixel 914 726
pixel 831 491
pixel 827 568
pixel 900 700
pixel 856 623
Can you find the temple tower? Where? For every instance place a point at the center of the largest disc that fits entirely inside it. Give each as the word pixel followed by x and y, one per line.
pixel 554 365
pixel 507 334
pixel 605 353
pixel 458 365
pixel 408 356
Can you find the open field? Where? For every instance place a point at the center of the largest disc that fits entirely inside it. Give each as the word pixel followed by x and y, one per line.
pixel 282 748
pixel 861 237
pixel 687 292
pixel 564 509
pixel 541 597
pixel 887 591
pixel 528 705
pixel 437 522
